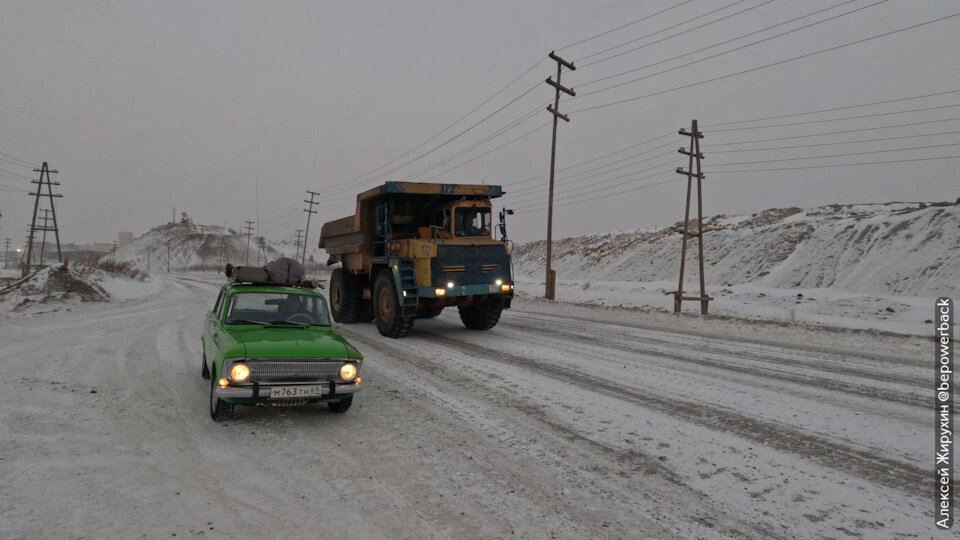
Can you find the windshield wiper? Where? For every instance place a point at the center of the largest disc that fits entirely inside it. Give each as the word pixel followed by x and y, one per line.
pixel 289 323
pixel 248 321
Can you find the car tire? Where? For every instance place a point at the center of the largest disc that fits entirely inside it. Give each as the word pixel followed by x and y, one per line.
pixel 204 371
pixel 345 297
pixel 219 410
pixel 386 306
pixel 341 406
pixel 483 315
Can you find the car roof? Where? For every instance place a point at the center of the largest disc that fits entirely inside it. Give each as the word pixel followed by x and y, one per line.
pixel 259 287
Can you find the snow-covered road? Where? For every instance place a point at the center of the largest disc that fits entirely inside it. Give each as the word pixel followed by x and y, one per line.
pixel 553 424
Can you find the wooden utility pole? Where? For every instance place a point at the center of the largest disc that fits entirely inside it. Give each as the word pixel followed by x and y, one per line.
pixel 44 180
pixel 550 292
pixel 310 211
pixel 249 229
pixel 299 238
pixel 694 155
pixel 6 249
pixel 46 227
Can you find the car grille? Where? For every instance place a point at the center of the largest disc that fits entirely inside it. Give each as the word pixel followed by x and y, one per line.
pixel 294 371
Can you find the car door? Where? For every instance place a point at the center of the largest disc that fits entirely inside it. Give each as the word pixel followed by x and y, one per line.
pixel 212 330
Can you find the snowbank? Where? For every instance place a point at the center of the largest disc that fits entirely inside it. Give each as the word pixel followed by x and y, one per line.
pixel 862 266
pixel 57 286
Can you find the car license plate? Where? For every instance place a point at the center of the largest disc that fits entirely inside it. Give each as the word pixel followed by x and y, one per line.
pixel 290 392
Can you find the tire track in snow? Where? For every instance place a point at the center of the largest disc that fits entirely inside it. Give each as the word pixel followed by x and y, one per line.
pixel 886 472
pixel 700 360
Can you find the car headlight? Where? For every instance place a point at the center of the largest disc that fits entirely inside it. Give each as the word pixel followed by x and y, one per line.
pixel 239 373
pixel 348 371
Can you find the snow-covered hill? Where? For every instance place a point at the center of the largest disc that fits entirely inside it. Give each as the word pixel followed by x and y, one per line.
pixel 863 265
pixel 908 249
pixel 198 247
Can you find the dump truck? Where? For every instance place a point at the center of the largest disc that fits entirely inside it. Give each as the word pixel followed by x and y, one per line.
pixel 412 249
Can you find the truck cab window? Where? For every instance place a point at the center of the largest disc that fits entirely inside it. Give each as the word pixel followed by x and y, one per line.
pixel 472 221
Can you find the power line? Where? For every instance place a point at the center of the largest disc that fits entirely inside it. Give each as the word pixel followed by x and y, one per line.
pixel 838 165
pixel 671 27
pixel 15 175
pixel 636 188
pixel 835 108
pixel 622 26
pixel 859 141
pixel 457 121
pixel 538 128
pixel 765 66
pixel 595 81
pixel 857 117
pixel 792 137
pixel 575 165
pixel 23 162
pixel 735 49
pixel 780 160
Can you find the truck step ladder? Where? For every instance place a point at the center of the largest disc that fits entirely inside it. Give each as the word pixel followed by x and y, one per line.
pixel 408 284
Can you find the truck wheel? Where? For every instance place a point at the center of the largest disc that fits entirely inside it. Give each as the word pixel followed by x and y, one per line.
pixel 340 406
pixel 429 313
pixel 219 410
pixel 483 315
pixel 345 297
pixel 386 307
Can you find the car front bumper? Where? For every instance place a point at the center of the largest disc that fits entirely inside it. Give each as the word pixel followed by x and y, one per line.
pixel 263 391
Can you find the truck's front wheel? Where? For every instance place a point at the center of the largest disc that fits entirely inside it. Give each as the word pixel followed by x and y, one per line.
pixel 483 315
pixel 345 297
pixel 387 309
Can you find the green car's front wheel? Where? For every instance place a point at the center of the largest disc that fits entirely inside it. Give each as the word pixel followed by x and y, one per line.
pixel 340 406
pixel 219 409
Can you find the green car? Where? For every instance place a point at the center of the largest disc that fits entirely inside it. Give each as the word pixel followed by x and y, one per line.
pixel 274 344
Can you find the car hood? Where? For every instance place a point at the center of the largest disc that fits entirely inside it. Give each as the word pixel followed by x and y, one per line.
pixel 288 342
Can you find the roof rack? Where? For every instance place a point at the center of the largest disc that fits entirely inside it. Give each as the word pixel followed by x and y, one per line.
pixel 258 276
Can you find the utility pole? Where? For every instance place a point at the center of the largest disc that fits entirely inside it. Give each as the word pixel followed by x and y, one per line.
pixel 299 235
pixel 249 229
pixel 44 179
pixel 168 256
pixel 6 249
pixel 114 250
pixel 149 251
pixel 693 154
pixel 310 211
pixel 261 250
pixel 43 241
pixel 550 292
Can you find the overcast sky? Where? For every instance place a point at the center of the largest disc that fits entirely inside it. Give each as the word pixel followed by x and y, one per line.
pixel 146 106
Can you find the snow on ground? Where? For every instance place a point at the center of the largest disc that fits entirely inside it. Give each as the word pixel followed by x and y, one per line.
pixel 564 421
pixel 56 287
pixel 874 266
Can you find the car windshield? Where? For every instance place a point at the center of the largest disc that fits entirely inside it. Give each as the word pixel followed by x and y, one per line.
pixel 277 308
pixel 472 221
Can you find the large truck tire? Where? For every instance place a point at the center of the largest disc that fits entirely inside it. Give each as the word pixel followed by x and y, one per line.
pixel 387 308
pixel 345 297
pixel 483 315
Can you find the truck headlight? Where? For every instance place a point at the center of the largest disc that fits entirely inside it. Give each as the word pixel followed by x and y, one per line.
pixel 499 282
pixel 239 373
pixel 348 372
pixel 449 284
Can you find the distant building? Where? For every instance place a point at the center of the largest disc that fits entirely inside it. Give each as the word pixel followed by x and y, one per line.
pixel 124 239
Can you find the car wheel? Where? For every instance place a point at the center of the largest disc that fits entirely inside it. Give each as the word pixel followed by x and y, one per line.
pixel 340 406
pixel 204 371
pixel 386 306
pixel 219 409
